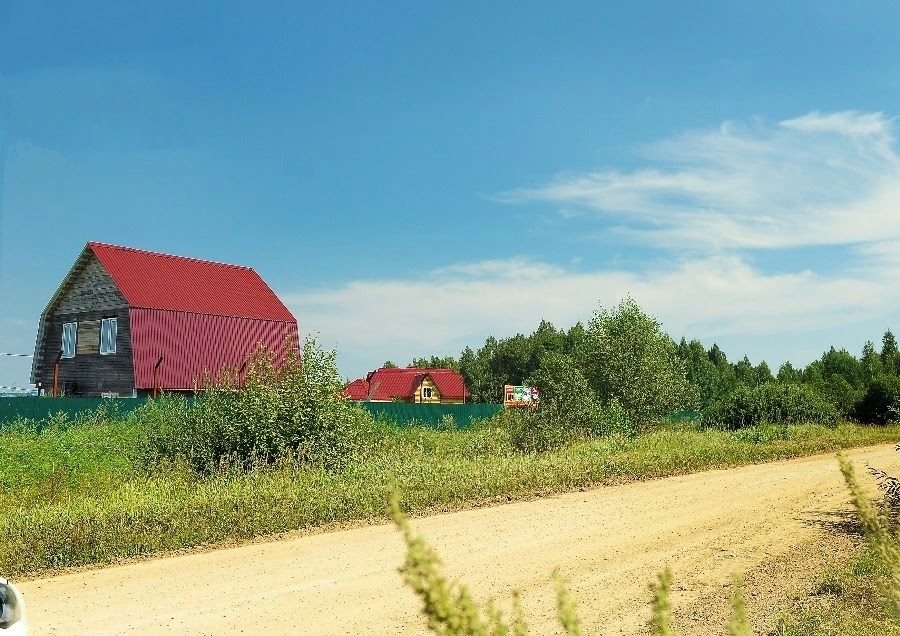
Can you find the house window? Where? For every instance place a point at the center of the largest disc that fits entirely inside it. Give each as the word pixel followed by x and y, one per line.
pixel 69 336
pixel 108 328
pixel 426 392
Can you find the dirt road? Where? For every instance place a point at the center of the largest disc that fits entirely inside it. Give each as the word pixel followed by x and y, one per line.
pixel 764 521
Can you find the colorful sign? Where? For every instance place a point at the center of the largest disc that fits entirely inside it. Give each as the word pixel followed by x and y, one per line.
pixel 520 396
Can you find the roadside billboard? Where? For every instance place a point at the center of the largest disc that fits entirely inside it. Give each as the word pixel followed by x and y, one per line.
pixel 516 396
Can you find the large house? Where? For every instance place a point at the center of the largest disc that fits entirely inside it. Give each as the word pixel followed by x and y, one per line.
pixel 425 386
pixel 127 322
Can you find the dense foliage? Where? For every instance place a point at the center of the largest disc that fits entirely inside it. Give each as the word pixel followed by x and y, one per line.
pixel 770 403
pixel 293 408
pixel 880 403
pixel 625 356
pixel 629 359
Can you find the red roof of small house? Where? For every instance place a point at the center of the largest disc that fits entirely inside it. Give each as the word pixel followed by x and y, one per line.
pixel 357 390
pixel 160 281
pixel 387 384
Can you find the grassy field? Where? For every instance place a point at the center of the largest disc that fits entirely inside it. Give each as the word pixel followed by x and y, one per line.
pixel 79 493
pixel 846 602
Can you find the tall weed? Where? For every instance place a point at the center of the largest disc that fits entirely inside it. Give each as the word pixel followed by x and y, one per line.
pixel 882 539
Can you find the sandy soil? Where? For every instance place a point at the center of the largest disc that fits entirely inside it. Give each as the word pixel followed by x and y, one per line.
pixel 768 522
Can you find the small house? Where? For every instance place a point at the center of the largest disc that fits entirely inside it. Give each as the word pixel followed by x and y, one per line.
pixel 418 386
pixel 128 322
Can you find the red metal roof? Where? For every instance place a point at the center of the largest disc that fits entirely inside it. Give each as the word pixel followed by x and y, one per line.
pixel 387 384
pixel 198 316
pixel 357 390
pixel 449 383
pixel 149 280
pixel 193 346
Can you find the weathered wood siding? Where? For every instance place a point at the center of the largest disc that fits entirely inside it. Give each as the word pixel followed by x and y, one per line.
pixel 87 296
pixel 90 288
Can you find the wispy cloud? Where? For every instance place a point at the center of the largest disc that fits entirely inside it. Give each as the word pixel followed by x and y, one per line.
pixel 819 179
pixel 849 123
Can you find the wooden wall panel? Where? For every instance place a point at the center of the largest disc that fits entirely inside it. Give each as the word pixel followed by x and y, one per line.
pixel 88 340
pixel 90 289
pixel 90 373
pixel 87 296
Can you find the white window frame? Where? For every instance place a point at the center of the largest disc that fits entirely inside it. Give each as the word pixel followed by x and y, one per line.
pixel 115 334
pixel 73 327
pixel 427 393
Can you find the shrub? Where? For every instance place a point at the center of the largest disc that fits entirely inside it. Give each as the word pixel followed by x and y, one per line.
pixel 842 394
pixel 296 408
pixel 568 410
pixel 628 357
pixel 772 403
pixel 880 403
pixel 530 431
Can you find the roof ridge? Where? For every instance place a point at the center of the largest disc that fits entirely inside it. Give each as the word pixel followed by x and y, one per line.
pixel 204 313
pixel 418 369
pixel 125 248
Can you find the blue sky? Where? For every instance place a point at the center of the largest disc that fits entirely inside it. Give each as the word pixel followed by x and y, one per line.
pixel 410 178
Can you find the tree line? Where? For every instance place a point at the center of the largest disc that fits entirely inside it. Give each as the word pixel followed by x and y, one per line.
pixel 623 354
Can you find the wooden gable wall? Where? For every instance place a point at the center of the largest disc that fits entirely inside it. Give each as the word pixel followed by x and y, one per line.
pixel 87 295
pixel 427 383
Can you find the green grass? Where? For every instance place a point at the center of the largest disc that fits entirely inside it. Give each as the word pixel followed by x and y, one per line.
pixel 845 602
pixel 861 598
pixel 75 495
pixel 64 459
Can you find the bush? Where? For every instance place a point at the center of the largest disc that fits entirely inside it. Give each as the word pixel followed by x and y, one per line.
pixel 568 410
pixel 295 408
pixel 880 403
pixel 771 403
pixel 627 357
pixel 842 394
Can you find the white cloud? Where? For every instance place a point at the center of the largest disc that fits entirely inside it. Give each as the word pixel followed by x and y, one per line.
pixel 370 321
pixel 849 123
pixel 819 179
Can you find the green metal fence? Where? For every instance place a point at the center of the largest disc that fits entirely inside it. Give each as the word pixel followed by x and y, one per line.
pixel 431 415
pixel 404 414
pixel 34 408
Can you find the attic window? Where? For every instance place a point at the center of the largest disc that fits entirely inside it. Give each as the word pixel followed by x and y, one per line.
pixel 426 392
pixel 108 329
pixel 69 336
